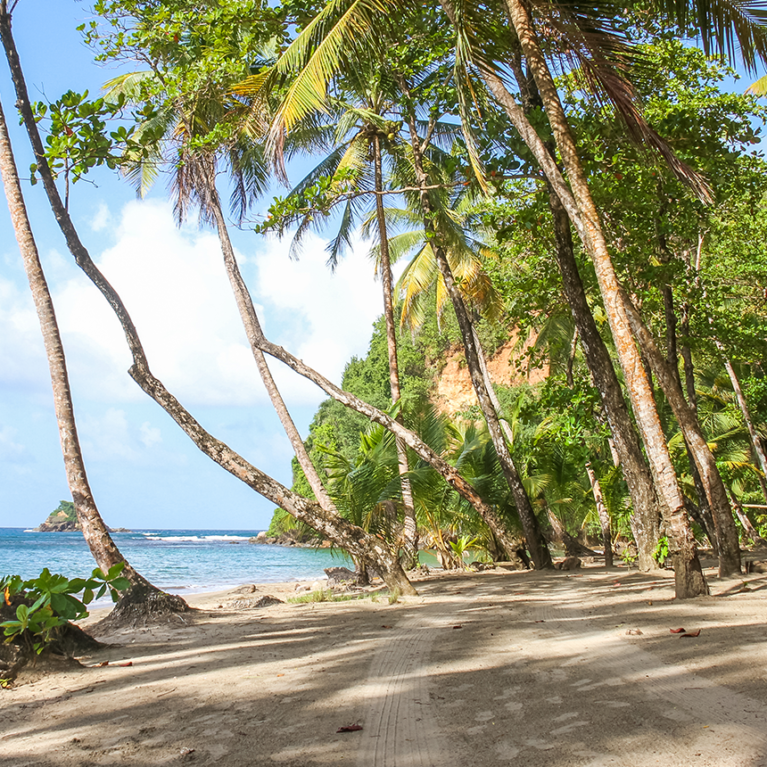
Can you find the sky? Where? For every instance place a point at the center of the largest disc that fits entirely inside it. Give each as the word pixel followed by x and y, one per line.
pixel 144 472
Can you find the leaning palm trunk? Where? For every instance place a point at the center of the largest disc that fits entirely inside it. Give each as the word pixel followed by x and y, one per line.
pixel 509 542
pixel 339 530
pixel 95 532
pixel 604 515
pixel 410 527
pixel 580 208
pixel 252 327
pixel 253 331
pixel 535 541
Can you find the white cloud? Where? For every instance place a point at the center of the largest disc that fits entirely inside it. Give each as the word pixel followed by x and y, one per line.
pixel 102 218
pixel 150 435
pixel 10 450
pixel 115 435
pixel 22 356
pixel 175 287
pixel 322 317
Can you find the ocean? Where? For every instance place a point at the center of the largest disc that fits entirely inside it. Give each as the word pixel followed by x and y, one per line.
pixel 178 561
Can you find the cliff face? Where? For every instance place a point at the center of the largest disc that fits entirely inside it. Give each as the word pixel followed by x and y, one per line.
pixel 58 522
pixel 454 392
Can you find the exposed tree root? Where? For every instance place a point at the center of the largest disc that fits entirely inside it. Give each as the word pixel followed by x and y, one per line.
pixel 20 662
pixel 142 605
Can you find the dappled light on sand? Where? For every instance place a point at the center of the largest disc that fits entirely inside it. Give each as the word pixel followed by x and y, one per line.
pixel 546 669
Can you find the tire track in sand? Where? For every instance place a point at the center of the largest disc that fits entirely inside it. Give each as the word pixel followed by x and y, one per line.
pixel 400 723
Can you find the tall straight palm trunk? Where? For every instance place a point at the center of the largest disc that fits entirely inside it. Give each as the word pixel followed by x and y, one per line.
pixel 536 543
pixel 410 526
pixel 100 543
pixel 645 519
pixel 582 212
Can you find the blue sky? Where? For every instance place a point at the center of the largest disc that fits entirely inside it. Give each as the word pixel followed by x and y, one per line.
pixel 144 471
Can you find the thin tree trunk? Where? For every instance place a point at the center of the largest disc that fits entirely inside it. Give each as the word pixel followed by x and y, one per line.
pixel 573 547
pixel 604 516
pixel 705 517
pixel 726 532
pixel 535 541
pixel 756 442
pixel 689 580
pixel 253 331
pixel 749 531
pixel 509 541
pixel 342 532
pixel 410 526
pixel 95 532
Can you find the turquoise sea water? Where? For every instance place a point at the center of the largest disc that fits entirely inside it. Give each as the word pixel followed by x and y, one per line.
pixel 179 561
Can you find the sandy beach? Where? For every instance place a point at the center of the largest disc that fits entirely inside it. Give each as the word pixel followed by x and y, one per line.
pixel 491 668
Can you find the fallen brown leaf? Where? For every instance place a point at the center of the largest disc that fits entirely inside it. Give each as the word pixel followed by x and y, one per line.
pixel 350 728
pixel 677 631
pixel 690 634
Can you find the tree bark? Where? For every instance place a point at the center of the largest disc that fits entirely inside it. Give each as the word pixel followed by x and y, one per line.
pixel 535 541
pixel 410 526
pixel 726 532
pixel 604 516
pixel 572 546
pixel 100 542
pixel 749 531
pixel 645 521
pixel 342 532
pixel 689 580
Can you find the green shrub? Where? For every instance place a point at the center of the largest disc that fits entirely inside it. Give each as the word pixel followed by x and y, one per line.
pixel 45 603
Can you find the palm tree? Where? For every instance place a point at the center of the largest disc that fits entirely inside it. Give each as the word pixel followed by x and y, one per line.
pixel 343 533
pixel 95 532
pixel 309 91
pixel 362 133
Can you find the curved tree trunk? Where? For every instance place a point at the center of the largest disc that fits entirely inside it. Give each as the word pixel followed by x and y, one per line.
pixel 342 532
pixel 580 207
pixel 410 553
pixel 95 532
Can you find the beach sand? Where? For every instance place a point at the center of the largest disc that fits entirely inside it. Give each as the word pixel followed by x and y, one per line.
pixel 492 668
